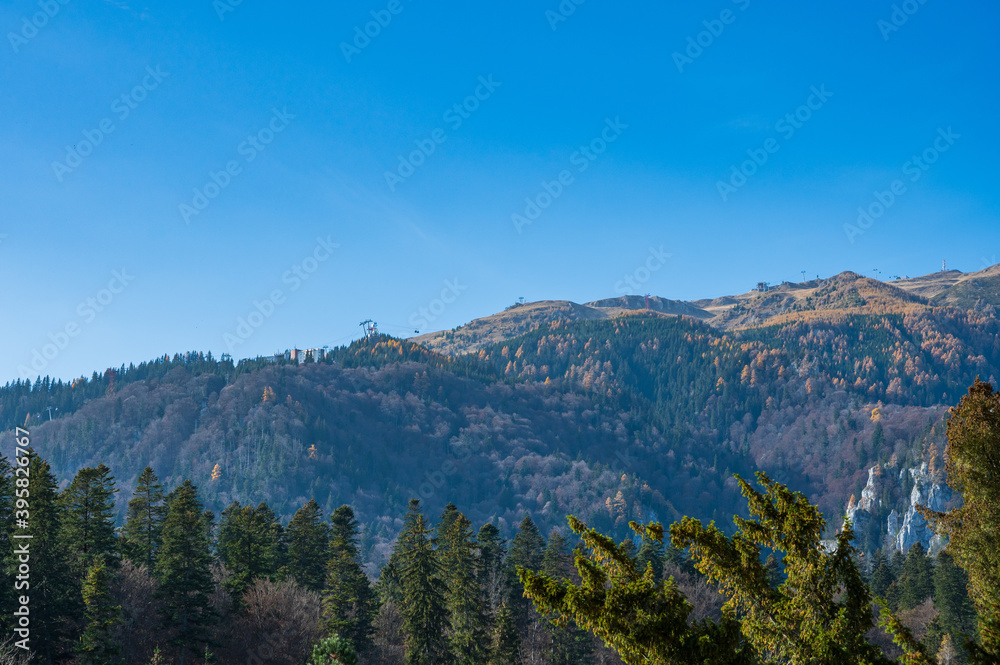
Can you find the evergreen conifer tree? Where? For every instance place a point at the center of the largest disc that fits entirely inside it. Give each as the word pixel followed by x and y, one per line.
pixel 569 645
pixel 463 596
pixel 144 520
pixel 491 574
pixel 652 553
pixel 9 561
pixel 210 528
pixel 425 615
pixel 308 540
pixel 448 517
pixel 972 468
pixel 348 600
pixel 820 614
pixel 249 544
pixel 88 518
pixel 334 650
pixel 957 614
pixel 916 579
pixel 98 645
pixel 504 640
pixel 182 568
pixel 881 576
pixel 526 551
pixel 55 596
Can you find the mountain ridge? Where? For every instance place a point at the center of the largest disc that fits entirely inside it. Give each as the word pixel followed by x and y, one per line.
pixel 845 293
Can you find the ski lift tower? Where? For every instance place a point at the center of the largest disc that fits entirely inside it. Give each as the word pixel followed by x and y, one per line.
pixel 369 327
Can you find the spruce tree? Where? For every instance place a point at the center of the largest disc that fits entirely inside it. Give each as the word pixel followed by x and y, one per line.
pixel 972 469
pixel 652 553
pixel 348 600
pixel 144 520
pixel 916 579
pixel 492 552
pixel 491 571
pixel 88 518
pixel 819 615
pixel 250 545
pixel 957 615
pixel 463 596
pixel 182 568
pixel 772 568
pixel 526 551
pixel 210 528
pixel 569 645
pixel 55 596
pixel 389 588
pixel 528 547
pixel 101 616
pixel 448 517
pixel 494 584
pixel 7 594
pixel 425 615
pixel 881 576
pixel 308 540
pixel 334 650
pixel 504 640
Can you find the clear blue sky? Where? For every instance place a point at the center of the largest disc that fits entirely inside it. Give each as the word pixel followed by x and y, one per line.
pixel 323 174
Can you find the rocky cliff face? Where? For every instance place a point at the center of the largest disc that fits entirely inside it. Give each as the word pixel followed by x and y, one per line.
pixel 915 529
pixel 902 533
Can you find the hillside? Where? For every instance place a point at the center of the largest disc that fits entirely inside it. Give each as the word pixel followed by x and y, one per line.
pixel 637 417
pixel 975 291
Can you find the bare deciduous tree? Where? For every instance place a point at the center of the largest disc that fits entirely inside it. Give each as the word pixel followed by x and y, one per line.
pixel 389 644
pixel 133 588
pixel 277 624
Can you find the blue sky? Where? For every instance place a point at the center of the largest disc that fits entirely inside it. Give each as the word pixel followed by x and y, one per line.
pixel 330 122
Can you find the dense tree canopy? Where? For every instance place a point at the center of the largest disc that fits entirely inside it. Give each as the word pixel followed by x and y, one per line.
pixel 973 468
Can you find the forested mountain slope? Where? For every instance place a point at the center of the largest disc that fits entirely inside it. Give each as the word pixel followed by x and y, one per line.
pixel 636 417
